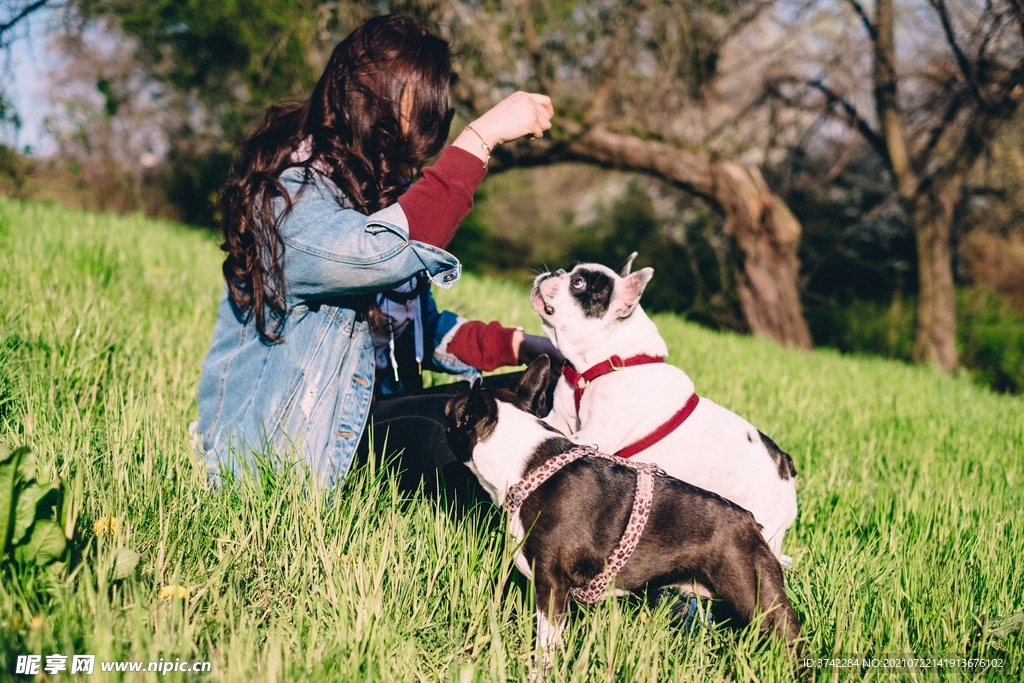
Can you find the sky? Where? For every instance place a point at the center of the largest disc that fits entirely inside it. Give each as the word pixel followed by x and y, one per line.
pixel 24 79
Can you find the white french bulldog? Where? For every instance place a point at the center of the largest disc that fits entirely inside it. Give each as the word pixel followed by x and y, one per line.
pixel 593 314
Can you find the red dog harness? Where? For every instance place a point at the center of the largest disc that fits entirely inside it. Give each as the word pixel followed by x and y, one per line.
pixel 580 381
pixel 597 587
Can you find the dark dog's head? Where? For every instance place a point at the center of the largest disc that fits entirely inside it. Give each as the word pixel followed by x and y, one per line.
pixel 473 414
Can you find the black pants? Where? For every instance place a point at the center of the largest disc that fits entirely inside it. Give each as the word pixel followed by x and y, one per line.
pixel 413 427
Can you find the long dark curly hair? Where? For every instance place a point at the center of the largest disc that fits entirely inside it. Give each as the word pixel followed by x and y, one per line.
pixel 353 130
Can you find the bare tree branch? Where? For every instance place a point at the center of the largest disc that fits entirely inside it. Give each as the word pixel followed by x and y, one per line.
pixel 865 19
pixel 533 47
pixel 19 14
pixel 745 19
pixel 953 108
pixel 856 121
pixel 983 126
pixel 962 62
pixel 1017 8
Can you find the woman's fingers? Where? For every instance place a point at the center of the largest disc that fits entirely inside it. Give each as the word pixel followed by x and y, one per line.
pixel 545 110
pixel 518 115
pixel 545 104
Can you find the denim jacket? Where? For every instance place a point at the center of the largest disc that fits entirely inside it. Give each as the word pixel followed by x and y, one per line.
pixel 311 392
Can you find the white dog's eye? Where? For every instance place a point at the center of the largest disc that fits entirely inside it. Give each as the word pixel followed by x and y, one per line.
pixel 578 282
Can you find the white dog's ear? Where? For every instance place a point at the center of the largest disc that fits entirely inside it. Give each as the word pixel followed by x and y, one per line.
pixel 624 270
pixel 629 289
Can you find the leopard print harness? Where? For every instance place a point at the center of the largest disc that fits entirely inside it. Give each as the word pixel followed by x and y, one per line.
pixel 597 588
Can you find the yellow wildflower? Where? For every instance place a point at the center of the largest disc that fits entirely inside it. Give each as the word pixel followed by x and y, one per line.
pixel 105 526
pixel 36 622
pixel 173 591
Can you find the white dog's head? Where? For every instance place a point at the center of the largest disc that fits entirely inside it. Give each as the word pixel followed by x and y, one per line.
pixel 592 309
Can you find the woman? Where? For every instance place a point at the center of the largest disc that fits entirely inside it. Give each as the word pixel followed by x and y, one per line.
pixel 318 222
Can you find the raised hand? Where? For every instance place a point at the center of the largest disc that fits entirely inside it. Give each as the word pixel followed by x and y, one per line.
pixel 521 114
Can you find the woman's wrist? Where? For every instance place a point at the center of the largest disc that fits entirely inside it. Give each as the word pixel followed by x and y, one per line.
pixel 477 140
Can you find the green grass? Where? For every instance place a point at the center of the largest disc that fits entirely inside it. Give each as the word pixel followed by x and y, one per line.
pixel 908 541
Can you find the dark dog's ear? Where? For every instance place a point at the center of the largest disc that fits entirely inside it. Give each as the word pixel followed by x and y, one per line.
pixel 471 417
pixel 625 268
pixel 477 407
pixel 465 410
pixel 532 388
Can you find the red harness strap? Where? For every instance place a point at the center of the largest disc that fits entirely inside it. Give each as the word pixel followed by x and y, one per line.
pixel 662 431
pixel 580 381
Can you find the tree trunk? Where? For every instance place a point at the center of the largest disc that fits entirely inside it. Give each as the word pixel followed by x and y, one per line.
pixel 928 203
pixel 767 234
pixel 932 214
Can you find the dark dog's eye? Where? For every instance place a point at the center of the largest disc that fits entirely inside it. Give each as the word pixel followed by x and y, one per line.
pixel 578 282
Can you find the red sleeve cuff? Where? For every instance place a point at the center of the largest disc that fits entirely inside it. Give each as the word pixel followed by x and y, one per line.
pixel 439 201
pixel 458 163
pixel 485 346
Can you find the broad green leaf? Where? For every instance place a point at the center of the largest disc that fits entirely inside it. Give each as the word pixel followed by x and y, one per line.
pixel 27 465
pixel 8 470
pixel 1000 627
pixel 26 509
pixel 45 544
pixel 5 453
pixel 125 561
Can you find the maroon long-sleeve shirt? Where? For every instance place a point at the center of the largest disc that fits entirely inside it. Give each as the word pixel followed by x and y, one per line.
pixel 435 206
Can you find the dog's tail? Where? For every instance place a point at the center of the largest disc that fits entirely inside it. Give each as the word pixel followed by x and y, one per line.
pixel 783 461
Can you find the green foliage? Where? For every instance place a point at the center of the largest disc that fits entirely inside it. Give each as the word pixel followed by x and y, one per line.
pixel 13 171
pixel 474 243
pixel 865 326
pixel 990 340
pixel 236 57
pixel 908 481
pixel 990 333
pixel 193 184
pixel 30 511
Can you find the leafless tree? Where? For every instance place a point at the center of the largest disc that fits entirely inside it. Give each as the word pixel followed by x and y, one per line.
pixel 114 123
pixel 930 107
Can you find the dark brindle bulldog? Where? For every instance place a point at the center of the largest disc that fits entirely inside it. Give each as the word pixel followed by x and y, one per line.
pixel 582 511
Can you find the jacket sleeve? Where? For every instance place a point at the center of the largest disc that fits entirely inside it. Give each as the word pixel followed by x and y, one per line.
pixel 331 250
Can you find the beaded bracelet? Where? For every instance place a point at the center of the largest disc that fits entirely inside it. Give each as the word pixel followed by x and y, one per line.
pixel 483 144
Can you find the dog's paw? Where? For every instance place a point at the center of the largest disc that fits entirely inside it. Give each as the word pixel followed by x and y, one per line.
pixel 539 670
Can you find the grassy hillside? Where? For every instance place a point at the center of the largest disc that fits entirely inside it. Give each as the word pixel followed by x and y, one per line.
pixel 907 543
